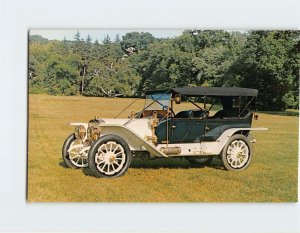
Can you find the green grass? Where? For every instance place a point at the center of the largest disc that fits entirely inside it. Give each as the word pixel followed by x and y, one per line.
pixel 271 177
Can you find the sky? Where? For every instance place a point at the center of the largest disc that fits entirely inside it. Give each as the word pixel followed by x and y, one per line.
pixel 99 35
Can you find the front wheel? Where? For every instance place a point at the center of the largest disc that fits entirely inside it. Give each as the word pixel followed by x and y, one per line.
pixel 109 156
pixel 74 153
pixel 237 153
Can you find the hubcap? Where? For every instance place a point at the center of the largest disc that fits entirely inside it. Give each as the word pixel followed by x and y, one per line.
pixel 237 154
pixel 78 155
pixel 110 158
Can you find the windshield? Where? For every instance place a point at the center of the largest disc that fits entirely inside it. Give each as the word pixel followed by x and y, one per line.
pixel 157 101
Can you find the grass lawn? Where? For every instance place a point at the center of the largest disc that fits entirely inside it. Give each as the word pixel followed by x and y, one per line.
pixel 271 177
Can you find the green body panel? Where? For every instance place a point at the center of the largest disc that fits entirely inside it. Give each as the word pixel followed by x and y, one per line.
pixel 192 130
pixel 161 130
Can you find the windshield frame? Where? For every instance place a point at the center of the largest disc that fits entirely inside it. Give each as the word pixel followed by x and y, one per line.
pixel 162 100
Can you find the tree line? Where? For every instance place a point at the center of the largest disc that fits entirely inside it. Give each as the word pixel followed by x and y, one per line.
pixel 124 66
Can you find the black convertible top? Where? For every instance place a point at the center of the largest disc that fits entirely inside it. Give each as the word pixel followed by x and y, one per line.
pixel 215 91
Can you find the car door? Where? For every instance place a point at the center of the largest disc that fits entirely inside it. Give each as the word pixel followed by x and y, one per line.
pixel 180 130
pixel 212 129
pixel 197 130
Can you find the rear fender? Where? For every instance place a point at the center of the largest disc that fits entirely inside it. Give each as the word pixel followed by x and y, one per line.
pixel 215 148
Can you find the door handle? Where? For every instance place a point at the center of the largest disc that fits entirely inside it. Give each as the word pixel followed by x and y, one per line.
pixel 206 128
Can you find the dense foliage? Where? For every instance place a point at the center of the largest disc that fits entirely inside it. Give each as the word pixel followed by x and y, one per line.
pixel 266 60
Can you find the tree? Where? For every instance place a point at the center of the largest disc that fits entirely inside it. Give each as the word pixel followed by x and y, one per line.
pixel 163 66
pixel 89 39
pixel 77 45
pixel 215 60
pixel 270 63
pixel 266 60
pixel 189 60
pixel 137 40
pixel 38 38
pixel 61 75
pixel 82 49
pixel 117 39
pixel 106 39
pixel 77 37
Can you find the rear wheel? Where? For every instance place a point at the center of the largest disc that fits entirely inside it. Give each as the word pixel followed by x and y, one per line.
pixel 237 153
pixel 109 156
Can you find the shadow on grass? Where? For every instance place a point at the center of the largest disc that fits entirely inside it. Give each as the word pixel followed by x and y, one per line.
pixel 169 163
pixel 86 171
pixel 162 163
pixel 62 164
pixel 282 113
pixel 172 163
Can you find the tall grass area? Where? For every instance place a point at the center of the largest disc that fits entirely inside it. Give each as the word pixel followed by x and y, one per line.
pixel 271 177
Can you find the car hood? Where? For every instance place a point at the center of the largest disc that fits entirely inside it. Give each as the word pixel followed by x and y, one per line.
pixel 105 121
pixel 113 121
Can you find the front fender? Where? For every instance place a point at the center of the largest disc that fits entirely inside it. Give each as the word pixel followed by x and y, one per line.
pixel 135 141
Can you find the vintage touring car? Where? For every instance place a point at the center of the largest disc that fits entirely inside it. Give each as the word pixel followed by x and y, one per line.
pixel 107 146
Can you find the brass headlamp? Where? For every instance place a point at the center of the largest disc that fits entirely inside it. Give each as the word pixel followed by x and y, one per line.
pixel 94 130
pixel 93 133
pixel 80 132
